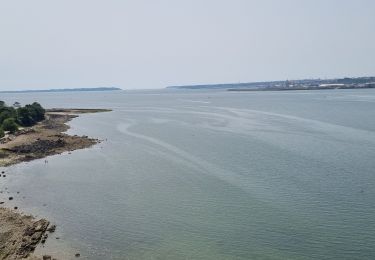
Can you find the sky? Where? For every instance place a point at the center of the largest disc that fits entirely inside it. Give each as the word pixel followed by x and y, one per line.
pixel 139 44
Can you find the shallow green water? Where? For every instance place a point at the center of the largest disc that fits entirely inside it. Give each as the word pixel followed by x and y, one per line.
pixel 210 175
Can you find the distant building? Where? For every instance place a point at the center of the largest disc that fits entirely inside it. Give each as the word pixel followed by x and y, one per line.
pixel 287 84
pixel 335 85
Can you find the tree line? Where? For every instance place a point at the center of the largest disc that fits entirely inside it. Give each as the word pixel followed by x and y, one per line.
pixel 13 117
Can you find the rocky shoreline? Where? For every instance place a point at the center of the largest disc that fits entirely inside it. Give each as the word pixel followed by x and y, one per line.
pixel 20 234
pixel 45 139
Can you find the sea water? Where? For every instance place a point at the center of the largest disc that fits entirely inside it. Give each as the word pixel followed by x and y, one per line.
pixel 208 175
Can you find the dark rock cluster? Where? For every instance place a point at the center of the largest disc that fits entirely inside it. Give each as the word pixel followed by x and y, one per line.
pixel 39 146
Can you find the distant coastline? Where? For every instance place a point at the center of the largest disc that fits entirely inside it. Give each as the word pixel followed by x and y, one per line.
pixel 305 84
pixel 62 90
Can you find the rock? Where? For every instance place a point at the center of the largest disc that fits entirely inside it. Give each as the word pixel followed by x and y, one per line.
pixel 15 208
pixel 20 237
pixel 10 198
pixel 47 257
pixel 44 239
pixel 77 255
pixel 39 146
pixel 39 227
pixel 52 229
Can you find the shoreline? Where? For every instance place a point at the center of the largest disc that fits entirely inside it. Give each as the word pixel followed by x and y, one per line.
pixel 20 234
pixel 294 89
pixel 46 138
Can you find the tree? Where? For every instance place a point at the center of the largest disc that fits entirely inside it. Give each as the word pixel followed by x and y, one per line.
pixel 4 115
pixel 10 125
pixel 2 134
pixel 24 117
pixel 36 111
pixel 6 112
pixel 39 110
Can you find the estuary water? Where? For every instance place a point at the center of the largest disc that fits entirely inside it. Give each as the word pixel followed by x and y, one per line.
pixel 209 175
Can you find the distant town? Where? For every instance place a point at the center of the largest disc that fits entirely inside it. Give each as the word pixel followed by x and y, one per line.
pixel 305 84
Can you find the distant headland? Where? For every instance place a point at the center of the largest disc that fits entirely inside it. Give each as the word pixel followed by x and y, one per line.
pixel 304 84
pixel 62 90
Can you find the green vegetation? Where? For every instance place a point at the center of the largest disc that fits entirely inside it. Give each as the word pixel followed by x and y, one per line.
pixel 11 117
pixel 10 125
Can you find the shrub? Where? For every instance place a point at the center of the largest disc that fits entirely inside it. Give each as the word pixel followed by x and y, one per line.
pixel 10 125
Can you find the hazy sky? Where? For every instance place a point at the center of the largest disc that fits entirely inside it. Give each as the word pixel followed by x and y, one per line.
pixel 157 43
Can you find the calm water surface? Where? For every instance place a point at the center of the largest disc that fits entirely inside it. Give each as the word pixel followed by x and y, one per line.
pixel 209 175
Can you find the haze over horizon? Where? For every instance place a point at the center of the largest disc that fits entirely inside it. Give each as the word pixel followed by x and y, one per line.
pixel 154 44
